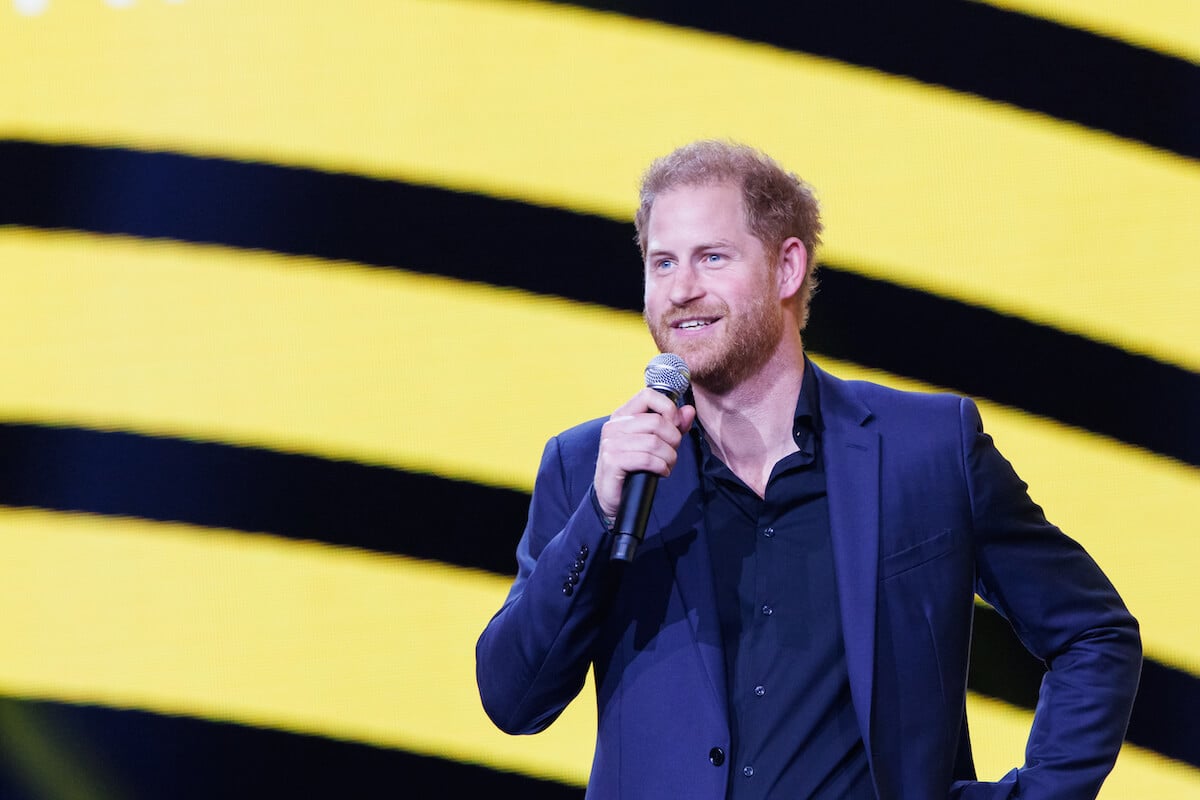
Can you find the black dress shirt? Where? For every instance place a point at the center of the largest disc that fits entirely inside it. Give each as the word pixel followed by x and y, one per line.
pixel 794 731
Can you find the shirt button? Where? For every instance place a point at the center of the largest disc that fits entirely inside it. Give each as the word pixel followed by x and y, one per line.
pixel 748 771
pixel 716 756
pixel 767 611
pixel 768 532
pixel 760 690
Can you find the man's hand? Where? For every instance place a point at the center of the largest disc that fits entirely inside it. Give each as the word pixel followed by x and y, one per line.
pixel 641 436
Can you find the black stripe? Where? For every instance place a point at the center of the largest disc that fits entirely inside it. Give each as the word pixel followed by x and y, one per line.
pixel 295 496
pixel 305 212
pixel 1024 61
pixel 350 504
pixel 1035 368
pixel 134 755
pixel 1165 714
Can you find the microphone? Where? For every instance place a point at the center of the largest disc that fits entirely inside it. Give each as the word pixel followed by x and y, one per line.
pixel 669 375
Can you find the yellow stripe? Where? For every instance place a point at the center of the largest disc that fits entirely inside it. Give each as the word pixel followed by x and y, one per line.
pixel 297 636
pixel 303 637
pixel 455 379
pixel 299 355
pixel 562 106
pixel 1169 26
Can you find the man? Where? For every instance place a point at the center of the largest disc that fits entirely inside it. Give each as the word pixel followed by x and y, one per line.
pixel 796 623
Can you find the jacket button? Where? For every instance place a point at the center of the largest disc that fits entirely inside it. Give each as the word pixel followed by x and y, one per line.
pixel 716 756
pixel 568 589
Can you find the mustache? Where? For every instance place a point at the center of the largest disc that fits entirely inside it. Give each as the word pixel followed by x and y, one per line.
pixel 692 312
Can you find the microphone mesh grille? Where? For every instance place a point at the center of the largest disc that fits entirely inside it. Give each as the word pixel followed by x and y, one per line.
pixel 669 374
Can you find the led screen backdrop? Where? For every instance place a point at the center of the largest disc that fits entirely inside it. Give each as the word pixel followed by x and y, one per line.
pixel 292 294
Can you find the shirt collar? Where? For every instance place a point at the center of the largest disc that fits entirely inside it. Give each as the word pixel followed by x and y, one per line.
pixel 806 421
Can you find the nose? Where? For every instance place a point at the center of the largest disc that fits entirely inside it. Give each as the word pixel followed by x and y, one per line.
pixel 685 285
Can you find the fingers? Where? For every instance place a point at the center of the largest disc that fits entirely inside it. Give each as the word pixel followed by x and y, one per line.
pixel 687 415
pixel 643 435
pixel 649 400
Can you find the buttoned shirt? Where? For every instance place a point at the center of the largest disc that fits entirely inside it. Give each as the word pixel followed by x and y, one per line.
pixel 794 730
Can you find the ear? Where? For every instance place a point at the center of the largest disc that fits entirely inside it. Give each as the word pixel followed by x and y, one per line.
pixel 793 266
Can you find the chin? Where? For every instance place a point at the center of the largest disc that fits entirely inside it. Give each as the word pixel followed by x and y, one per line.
pixel 700 356
pixel 704 367
pixel 693 355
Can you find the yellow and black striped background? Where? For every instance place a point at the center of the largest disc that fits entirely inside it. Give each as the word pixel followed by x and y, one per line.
pixel 291 295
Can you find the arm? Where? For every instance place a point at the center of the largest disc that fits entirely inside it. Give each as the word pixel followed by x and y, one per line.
pixel 1067 613
pixel 532 658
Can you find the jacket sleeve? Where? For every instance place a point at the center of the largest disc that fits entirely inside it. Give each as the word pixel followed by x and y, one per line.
pixel 532 658
pixel 1067 613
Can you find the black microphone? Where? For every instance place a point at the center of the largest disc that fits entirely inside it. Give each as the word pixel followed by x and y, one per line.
pixel 668 374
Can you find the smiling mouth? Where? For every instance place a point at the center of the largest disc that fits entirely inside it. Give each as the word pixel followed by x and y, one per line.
pixel 693 324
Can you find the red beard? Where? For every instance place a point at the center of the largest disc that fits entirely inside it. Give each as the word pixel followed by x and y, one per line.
pixel 720 360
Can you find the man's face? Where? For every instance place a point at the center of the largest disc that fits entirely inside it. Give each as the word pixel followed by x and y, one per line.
pixel 711 295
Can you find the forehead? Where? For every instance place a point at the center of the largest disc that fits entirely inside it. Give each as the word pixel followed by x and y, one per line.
pixel 707 211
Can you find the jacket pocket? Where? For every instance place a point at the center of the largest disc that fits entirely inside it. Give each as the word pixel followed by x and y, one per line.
pixel 920 553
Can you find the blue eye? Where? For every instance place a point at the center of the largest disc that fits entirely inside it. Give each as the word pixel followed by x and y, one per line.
pixel 713 258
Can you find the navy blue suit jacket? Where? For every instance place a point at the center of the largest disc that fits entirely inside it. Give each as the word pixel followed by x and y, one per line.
pixel 924 514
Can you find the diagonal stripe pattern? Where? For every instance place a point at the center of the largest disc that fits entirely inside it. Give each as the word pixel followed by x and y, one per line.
pixel 271 278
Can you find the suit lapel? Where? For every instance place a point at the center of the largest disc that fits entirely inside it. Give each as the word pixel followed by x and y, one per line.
pixel 677 517
pixel 851 454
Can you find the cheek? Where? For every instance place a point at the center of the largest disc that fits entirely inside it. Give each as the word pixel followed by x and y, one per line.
pixel 652 292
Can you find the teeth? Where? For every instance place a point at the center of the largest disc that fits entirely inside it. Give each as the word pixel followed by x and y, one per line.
pixel 693 323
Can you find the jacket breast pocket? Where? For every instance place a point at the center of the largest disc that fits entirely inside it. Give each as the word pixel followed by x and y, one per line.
pixel 920 553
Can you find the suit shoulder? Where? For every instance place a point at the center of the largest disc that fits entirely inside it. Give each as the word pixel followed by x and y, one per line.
pixel 881 397
pixel 907 412
pixel 583 432
pixel 915 422
pixel 580 440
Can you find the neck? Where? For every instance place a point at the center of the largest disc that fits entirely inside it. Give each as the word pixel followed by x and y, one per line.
pixel 749 427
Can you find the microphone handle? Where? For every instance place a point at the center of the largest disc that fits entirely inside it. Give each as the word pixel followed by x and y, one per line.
pixel 637 495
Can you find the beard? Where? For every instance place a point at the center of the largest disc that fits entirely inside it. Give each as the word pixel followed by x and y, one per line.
pixel 719 363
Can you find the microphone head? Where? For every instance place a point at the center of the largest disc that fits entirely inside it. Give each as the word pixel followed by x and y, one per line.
pixel 669 374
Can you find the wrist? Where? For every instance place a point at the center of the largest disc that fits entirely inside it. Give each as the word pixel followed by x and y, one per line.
pixel 605 519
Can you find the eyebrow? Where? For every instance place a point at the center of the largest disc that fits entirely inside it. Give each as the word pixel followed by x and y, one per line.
pixel 719 244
